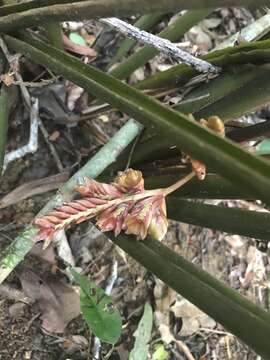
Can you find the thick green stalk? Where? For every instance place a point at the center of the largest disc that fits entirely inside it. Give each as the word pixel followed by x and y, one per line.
pixel 220 154
pixel 231 220
pixel 145 22
pixel 240 316
pixel 173 32
pixel 16 252
pixel 4 113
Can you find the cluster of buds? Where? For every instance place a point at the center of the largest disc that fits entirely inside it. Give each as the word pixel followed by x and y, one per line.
pixel 123 205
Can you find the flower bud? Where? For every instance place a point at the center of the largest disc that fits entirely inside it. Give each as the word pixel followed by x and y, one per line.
pixel 130 179
pixel 159 223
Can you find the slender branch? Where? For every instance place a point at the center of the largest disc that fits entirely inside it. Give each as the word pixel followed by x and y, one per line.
pixel 16 251
pixel 32 145
pixel 163 45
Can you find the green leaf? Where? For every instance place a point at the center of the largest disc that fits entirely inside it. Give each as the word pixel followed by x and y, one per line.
pixel 245 99
pixel 226 158
pixel 263 148
pixel 77 39
pixel 160 353
pixel 257 52
pixel 215 90
pixel 235 312
pixel 98 310
pixel 143 335
pixel 254 224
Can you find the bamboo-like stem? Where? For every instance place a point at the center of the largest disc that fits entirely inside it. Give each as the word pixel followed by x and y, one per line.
pixel 163 45
pixel 16 251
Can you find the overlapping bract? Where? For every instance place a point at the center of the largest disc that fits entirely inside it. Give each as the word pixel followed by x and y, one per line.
pixel 123 205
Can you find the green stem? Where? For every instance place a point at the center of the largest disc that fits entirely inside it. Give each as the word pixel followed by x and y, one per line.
pixel 178 184
pixel 17 250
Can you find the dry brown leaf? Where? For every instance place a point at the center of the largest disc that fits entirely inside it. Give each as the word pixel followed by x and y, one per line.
pixel 193 318
pixel 34 188
pixel 58 301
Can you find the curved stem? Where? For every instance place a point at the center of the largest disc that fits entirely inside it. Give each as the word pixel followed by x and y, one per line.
pixel 178 184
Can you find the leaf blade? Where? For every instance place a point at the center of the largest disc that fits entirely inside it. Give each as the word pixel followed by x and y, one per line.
pixel 96 307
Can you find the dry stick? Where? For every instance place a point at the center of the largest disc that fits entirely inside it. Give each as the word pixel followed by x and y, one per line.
pixel 17 250
pixel 32 145
pixel 163 45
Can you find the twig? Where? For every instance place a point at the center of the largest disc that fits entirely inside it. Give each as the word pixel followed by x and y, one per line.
pixel 32 145
pixel 16 251
pixel 13 63
pixel 163 45
pixel 51 147
pixel 184 348
pixel 108 290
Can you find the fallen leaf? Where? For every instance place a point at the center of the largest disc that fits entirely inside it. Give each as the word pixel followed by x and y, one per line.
pixel 58 301
pixel 78 49
pixel 192 317
pixel 34 188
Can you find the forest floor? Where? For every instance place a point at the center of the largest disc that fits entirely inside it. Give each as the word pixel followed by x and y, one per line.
pixel 24 324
